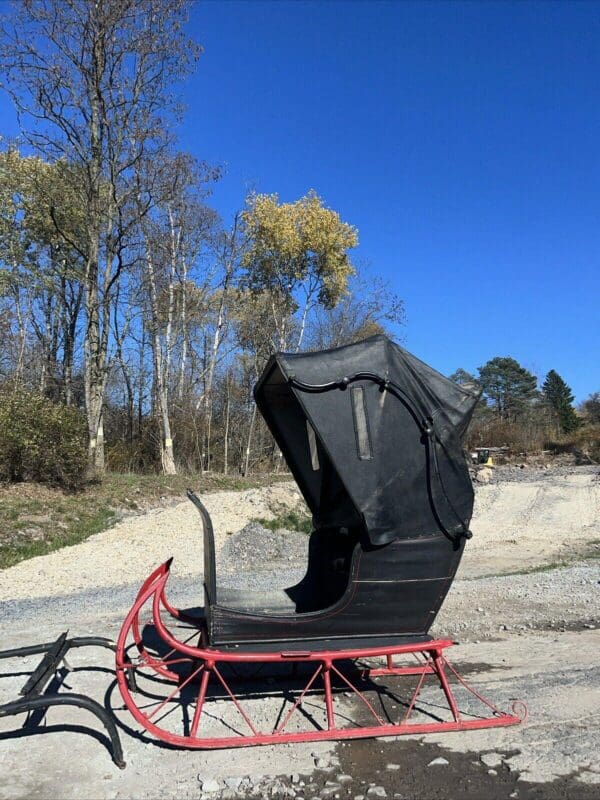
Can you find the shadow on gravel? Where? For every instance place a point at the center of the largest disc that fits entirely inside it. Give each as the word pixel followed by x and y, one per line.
pixel 35 721
pixel 36 730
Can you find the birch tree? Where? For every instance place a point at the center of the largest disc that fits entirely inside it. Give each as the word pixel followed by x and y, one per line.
pixel 173 233
pixel 299 253
pixel 95 78
pixel 228 250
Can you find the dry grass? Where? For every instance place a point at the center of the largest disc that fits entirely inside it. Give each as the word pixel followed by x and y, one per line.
pixel 584 443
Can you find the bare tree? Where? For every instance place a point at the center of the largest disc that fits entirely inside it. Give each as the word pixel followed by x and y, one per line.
pixel 96 78
pixel 173 232
pixel 371 307
pixel 228 247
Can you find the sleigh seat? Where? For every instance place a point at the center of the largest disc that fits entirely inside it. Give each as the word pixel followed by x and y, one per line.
pixel 345 577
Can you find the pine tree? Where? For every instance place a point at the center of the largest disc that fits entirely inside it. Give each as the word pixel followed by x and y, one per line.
pixel 508 386
pixel 465 379
pixel 559 397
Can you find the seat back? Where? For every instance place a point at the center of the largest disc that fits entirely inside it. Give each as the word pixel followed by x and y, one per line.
pixel 330 557
pixel 210 573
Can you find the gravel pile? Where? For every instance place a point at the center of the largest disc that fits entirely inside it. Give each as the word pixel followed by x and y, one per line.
pixel 127 553
pixel 258 548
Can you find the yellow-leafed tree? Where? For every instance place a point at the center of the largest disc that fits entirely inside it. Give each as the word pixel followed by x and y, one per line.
pixel 298 252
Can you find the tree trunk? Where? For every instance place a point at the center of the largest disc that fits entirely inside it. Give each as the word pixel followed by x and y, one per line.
pixel 302 326
pixel 94 357
pixel 208 393
pixel 141 381
pixel 72 306
pixel 184 333
pixel 68 379
pixel 22 336
pixel 166 456
pixel 94 375
pixel 249 442
pixel 95 431
pixel 160 374
pixel 226 443
pixel 166 445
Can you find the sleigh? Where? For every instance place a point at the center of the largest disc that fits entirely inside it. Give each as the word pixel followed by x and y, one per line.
pixel 373 437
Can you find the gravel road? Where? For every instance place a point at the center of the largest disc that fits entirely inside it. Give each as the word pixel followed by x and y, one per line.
pixel 532 635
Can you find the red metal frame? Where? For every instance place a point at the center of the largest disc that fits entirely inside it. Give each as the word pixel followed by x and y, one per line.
pixel 205 666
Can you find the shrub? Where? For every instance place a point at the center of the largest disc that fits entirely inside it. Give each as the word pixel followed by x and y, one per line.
pixel 290 521
pixel 584 443
pixel 527 434
pixel 128 451
pixel 41 440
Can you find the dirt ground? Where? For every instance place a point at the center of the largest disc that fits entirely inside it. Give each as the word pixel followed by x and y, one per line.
pixel 532 636
pixel 543 517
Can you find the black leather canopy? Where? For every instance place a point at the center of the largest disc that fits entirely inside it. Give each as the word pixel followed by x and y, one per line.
pixel 373 437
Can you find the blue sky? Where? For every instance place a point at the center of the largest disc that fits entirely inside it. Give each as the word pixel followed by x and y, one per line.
pixel 462 139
